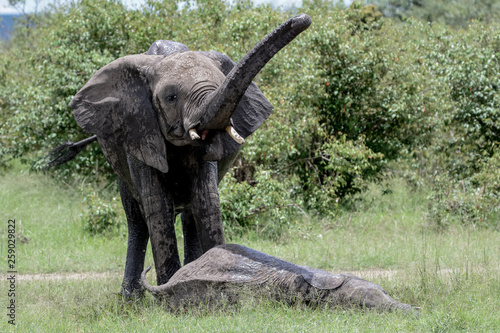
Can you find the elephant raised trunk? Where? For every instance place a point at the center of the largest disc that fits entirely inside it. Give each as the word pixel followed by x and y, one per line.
pixel 222 102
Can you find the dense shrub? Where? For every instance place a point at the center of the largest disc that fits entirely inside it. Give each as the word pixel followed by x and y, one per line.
pixel 474 79
pixel 354 95
pixel 266 206
pixel 465 149
pixel 457 13
pixel 102 217
pixel 470 201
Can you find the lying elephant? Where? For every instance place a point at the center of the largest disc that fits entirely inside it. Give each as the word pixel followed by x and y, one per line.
pixel 226 273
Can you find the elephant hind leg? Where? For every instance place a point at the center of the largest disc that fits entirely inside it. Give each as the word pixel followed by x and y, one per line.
pixel 192 245
pixel 138 236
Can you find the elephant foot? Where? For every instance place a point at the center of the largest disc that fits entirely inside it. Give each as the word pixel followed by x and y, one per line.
pixel 132 290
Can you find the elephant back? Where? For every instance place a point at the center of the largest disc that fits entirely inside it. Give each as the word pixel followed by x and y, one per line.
pixel 166 47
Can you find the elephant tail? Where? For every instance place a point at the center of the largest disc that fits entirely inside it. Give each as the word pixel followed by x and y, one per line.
pixel 156 291
pixel 66 152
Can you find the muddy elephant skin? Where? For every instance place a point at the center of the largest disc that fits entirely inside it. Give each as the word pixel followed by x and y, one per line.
pixel 227 273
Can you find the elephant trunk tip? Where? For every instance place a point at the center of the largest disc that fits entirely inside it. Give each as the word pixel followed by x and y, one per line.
pixel 395 306
pixel 301 22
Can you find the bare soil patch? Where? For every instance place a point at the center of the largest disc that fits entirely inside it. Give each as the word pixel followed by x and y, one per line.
pixel 368 274
pixel 66 276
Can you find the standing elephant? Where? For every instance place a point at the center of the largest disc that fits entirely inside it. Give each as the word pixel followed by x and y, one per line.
pixel 170 123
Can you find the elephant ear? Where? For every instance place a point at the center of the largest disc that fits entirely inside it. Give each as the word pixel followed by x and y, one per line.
pixel 251 112
pixel 321 279
pixel 116 106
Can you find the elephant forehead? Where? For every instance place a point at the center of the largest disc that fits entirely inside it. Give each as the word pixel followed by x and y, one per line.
pixel 190 65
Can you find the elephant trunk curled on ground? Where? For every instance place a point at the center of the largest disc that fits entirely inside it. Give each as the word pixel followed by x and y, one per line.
pixel 229 272
pixel 170 123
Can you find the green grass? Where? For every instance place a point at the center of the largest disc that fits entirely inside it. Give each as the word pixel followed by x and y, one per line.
pixel 48 219
pixel 454 275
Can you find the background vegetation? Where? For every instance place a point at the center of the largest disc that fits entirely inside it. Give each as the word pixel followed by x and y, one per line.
pixel 382 155
pixel 358 97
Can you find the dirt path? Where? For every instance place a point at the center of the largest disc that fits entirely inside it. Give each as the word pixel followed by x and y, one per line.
pixel 364 274
pixel 65 276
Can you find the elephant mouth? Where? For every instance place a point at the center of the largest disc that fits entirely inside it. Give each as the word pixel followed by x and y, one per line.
pixel 193 134
pixel 204 134
pixel 204 92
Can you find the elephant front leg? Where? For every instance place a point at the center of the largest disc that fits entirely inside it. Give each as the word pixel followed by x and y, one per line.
pixel 158 210
pixel 159 214
pixel 206 207
pixel 192 246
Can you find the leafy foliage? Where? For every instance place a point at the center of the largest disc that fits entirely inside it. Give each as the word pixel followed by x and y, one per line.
pixel 102 217
pixel 355 96
pixel 265 206
pixel 68 49
pixel 455 12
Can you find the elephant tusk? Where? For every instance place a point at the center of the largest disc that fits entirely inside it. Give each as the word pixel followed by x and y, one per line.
pixel 232 132
pixel 193 134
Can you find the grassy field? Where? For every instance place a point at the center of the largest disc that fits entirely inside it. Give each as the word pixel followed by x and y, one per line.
pixel 453 275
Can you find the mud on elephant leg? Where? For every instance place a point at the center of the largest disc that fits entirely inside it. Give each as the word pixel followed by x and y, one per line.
pixel 137 242
pixel 157 207
pixel 206 206
pixel 192 245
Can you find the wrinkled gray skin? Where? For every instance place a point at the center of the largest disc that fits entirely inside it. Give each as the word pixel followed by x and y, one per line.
pixel 141 107
pixel 227 273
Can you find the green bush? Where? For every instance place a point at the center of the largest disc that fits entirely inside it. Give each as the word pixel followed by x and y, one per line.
pixel 456 13
pixel 465 148
pixel 70 45
pixel 373 86
pixel 265 207
pixel 348 101
pixel 474 200
pixel 102 217
pixel 474 80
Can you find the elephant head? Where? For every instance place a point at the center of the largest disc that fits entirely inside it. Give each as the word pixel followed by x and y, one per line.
pixel 173 94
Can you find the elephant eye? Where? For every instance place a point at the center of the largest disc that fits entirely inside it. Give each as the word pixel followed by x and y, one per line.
pixel 171 98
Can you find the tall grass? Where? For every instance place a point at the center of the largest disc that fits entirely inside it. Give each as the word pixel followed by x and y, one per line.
pixel 49 229
pixel 453 275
